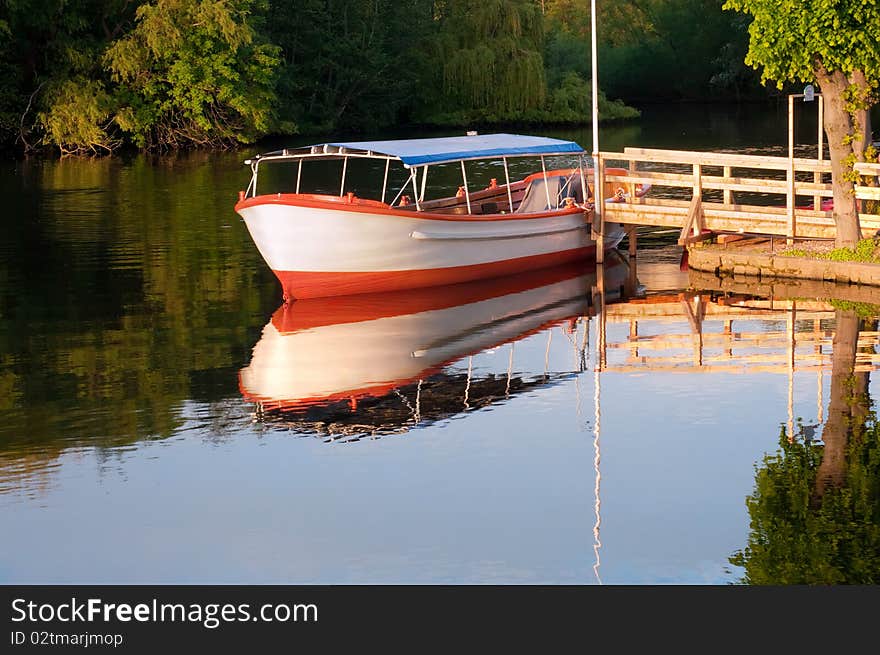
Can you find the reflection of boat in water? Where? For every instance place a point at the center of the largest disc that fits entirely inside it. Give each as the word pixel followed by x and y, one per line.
pixel 383 362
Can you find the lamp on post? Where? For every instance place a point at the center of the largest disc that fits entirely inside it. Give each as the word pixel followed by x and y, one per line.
pixel 809 95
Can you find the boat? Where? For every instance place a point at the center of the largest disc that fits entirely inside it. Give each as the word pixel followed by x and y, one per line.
pixel 384 362
pixel 399 235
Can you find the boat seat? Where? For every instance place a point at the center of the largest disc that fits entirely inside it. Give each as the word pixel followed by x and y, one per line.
pixel 570 187
pixel 535 198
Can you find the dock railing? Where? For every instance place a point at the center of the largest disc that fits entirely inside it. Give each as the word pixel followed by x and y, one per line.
pixel 705 193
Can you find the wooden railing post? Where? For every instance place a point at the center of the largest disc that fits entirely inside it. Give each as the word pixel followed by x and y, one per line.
pixel 728 193
pixel 817 176
pixel 632 185
pixel 632 241
pixel 698 195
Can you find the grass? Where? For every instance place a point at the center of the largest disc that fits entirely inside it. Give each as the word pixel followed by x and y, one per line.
pixel 866 250
pixel 862 309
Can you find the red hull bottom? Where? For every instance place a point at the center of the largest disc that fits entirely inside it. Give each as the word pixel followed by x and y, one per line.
pixel 299 285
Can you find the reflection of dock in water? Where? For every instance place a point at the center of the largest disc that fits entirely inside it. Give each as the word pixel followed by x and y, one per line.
pixel 695 332
pixel 722 326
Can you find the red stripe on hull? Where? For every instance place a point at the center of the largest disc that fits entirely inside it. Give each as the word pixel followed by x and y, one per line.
pixel 309 284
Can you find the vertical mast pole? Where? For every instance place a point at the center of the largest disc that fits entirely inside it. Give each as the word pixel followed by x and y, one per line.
pixel 507 180
pixel 385 180
pixel 790 194
pixel 597 183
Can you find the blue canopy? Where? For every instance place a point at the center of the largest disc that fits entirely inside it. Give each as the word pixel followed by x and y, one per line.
pixel 416 152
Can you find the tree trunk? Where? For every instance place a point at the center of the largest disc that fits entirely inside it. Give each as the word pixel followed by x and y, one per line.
pixel 841 141
pixel 835 433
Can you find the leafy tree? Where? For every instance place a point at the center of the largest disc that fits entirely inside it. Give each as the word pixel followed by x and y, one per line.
pixel 571 101
pixel 649 50
pixel 491 53
pixel 837 44
pixel 620 21
pixel 83 74
pixel 48 50
pixel 79 117
pixel 350 65
pixel 194 73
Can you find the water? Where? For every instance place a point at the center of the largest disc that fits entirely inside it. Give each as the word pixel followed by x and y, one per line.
pixel 158 421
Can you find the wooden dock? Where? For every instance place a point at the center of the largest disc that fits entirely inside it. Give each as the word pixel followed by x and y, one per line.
pixel 709 193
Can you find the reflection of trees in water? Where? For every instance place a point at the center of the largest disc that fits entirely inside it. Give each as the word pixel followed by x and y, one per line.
pixel 815 510
pixel 138 302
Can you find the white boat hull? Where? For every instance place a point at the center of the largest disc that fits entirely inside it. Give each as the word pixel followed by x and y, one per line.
pixel 345 246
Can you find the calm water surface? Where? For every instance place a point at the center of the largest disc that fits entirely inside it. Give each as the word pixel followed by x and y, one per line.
pixel 157 422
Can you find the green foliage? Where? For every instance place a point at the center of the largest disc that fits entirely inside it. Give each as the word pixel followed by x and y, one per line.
pixel 860 309
pixel 789 38
pixel 866 250
pixel 194 72
pixel 506 62
pixel 571 101
pixel 650 51
pixel 355 65
pixel 490 55
pixel 181 73
pixel 870 206
pixel 83 75
pixel 78 118
pixel 837 44
pixel 796 540
pixel 572 98
pixel 48 47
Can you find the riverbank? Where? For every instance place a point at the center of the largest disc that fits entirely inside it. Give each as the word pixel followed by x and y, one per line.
pixel 765 259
